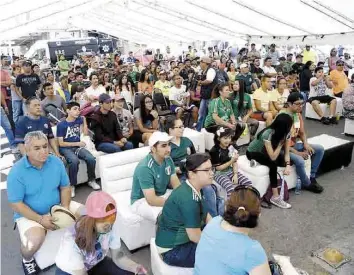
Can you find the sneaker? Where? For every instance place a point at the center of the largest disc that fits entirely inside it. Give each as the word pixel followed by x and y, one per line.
pixel 30 268
pixel 277 201
pixel 325 121
pixel 333 120
pixel 94 185
pixel 314 186
pixel 72 191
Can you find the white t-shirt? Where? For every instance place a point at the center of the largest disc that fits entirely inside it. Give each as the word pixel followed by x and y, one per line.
pixel 70 257
pixel 210 74
pixel 178 94
pixel 320 89
pixel 127 96
pixel 90 91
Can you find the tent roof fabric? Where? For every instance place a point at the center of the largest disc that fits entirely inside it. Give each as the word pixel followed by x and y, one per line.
pixel 184 21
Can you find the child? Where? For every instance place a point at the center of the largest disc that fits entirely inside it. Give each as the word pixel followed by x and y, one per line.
pixel 73 149
pixel 224 159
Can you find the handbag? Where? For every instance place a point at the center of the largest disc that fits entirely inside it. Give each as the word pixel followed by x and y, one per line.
pixel 282 189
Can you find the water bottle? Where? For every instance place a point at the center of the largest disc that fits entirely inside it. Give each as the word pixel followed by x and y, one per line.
pixel 298 186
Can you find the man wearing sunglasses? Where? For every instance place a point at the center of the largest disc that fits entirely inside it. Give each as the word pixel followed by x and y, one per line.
pixel 299 152
pixel 339 79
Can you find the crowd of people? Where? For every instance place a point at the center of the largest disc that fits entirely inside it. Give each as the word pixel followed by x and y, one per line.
pixel 121 105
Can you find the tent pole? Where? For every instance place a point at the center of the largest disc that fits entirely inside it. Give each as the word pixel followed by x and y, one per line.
pixel 334 11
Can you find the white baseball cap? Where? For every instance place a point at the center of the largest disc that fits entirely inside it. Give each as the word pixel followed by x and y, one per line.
pixel 243 65
pixel 159 137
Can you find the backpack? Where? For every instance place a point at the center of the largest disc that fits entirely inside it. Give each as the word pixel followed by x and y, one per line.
pixel 282 189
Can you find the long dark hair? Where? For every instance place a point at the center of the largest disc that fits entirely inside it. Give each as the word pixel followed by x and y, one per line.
pixel 143 112
pixel 120 83
pixel 218 88
pixel 281 127
pixel 241 93
pixel 142 76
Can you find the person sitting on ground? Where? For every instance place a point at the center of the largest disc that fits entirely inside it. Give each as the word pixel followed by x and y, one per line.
pixel 95 90
pixel 145 85
pixel 35 183
pixel 184 214
pixel 263 102
pixel 244 255
pixel 271 148
pixel 52 104
pixel 152 176
pixel 84 247
pixel 348 102
pixel 301 151
pixel 280 94
pixel 162 85
pixel 34 121
pixel 320 92
pixel 146 121
pixel 224 158
pixel 73 148
pixel 180 99
pixel 339 79
pixel 104 124
pixel 181 146
pixel 242 106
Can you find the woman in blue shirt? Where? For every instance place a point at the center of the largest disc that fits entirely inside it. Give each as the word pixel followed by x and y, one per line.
pixel 225 247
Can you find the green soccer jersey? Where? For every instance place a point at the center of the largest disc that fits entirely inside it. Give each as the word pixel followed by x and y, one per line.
pixel 247 105
pixel 150 174
pixel 185 208
pixel 222 108
pixel 181 151
pixel 257 145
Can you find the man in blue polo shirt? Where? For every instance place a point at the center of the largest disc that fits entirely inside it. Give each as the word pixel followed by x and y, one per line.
pixel 33 121
pixel 247 77
pixel 36 183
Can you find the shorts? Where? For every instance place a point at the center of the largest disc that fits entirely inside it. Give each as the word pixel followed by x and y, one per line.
pixel 322 99
pixel 259 115
pixel 23 224
pixel 175 108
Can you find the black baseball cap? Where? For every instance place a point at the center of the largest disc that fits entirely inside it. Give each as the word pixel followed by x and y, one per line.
pixel 339 62
pixel 104 98
pixel 294 96
pixel 289 54
pixel 282 58
pixel 27 63
pixel 299 55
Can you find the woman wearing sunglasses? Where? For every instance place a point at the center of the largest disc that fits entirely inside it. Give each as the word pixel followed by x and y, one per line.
pixel 84 247
pixel 225 246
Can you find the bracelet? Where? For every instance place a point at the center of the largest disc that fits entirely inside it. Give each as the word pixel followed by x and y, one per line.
pixel 40 220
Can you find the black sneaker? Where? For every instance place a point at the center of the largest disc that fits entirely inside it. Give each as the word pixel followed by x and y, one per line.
pixel 333 120
pixel 314 186
pixel 31 268
pixel 325 121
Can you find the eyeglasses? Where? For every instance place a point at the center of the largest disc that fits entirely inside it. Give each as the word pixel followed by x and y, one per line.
pixel 204 170
pixel 149 102
pixel 179 127
pixel 298 103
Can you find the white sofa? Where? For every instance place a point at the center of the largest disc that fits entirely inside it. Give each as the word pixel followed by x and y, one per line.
pixel 259 175
pixel 311 114
pixel 158 266
pixel 349 127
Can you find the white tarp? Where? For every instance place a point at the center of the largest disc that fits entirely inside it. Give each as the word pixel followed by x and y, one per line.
pixel 183 21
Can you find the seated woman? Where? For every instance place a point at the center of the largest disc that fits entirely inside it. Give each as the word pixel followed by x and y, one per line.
pixel 242 106
pixel 220 112
pixel 84 247
pixel 224 159
pixel 236 252
pixel 348 102
pixel 145 85
pixel 267 148
pixel 146 121
pixel 181 146
pixel 195 95
pixel 124 88
pixel 280 94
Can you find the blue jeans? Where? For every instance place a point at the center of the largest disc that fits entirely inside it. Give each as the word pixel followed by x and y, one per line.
pixel 110 148
pixel 214 203
pixel 16 110
pixel 203 111
pixel 305 95
pixel 5 124
pixel 182 255
pixel 73 156
pixel 299 162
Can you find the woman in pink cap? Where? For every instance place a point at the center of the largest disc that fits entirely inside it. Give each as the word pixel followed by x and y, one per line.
pixel 84 247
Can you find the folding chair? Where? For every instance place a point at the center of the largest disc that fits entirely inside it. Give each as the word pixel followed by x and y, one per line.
pixel 54 113
pixel 161 104
pixel 137 99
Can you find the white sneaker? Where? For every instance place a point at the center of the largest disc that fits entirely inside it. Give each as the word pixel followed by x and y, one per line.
pixel 277 201
pixel 72 191
pixel 94 185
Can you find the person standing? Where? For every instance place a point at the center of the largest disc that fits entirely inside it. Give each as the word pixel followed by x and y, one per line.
pixel 339 79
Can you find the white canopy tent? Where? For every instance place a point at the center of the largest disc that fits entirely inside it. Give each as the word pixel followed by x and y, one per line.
pixel 184 21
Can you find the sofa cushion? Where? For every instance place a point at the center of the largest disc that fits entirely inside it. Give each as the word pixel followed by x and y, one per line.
pixel 124 209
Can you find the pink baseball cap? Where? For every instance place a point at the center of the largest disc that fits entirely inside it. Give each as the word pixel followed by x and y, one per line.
pixel 97 203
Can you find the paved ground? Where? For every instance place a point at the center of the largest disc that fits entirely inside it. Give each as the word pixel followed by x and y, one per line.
pixel 315 221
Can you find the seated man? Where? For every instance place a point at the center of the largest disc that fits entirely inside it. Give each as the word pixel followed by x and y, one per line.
pixel 36 183
pixel 320 86
pixel 263 102
pixel 185 214
pixel 33 121
pixel 180 99
pixel 152 176
pixel 73 148
pixel 299 152
pixel 52 104
pixel 104 124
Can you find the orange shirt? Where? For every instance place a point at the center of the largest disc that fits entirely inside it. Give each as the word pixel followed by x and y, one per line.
pixel 340 81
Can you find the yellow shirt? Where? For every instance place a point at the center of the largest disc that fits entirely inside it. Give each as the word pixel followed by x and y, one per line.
pixel 163 86
pixel 340 81
pixel 281 99
pixel 264 97
pixel 308 56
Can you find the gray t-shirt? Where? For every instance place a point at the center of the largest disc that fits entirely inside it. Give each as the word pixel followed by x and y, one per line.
pixel 14 95
pixel 147 124
pixel 125 121
pixel 58 101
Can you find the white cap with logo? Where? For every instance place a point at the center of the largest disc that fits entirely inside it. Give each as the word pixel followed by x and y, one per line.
pixel 159 137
